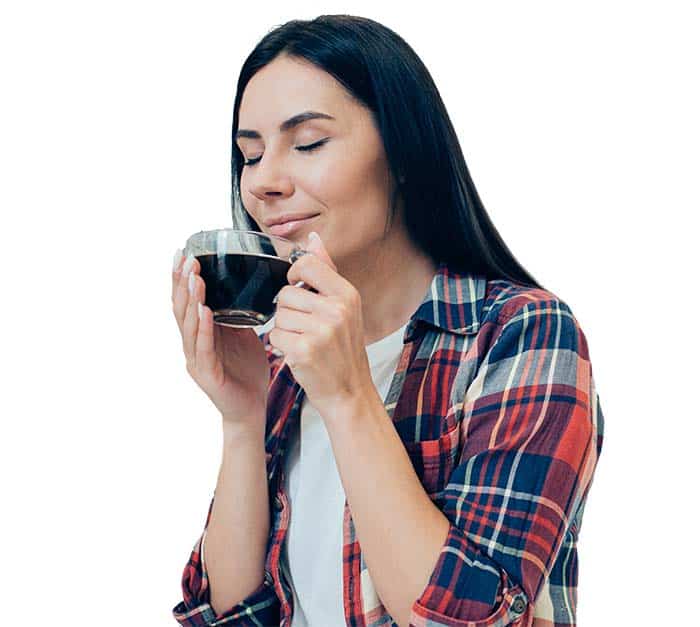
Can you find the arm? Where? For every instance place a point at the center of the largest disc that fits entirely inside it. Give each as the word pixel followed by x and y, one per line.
pixel 532 434
pixel 399 528
pixel 232 578
pixel 240 521
pixel 526 460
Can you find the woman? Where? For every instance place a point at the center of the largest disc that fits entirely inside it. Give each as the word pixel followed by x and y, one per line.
pixel 412 442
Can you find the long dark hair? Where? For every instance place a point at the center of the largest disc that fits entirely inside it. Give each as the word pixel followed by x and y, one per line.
pixel 444 215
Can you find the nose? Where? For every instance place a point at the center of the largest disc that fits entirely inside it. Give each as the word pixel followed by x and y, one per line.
pixel 268 179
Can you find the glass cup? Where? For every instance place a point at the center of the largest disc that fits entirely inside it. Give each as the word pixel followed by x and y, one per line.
pixel 242 272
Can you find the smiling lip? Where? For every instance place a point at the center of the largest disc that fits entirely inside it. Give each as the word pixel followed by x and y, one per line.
pixel 288 227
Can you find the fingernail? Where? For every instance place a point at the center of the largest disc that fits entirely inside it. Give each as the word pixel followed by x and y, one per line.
pixel 199 308
pixel 188 264
pixel 313 236
pixel 190 283
pixel 176 258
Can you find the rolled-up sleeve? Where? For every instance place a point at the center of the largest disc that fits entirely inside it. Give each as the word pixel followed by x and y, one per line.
pixel 531 437
pixel 261 607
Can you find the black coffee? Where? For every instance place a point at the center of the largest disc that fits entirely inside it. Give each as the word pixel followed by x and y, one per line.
pixel 240 286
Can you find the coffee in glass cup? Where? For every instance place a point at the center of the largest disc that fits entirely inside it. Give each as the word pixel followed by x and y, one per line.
pixel 242 273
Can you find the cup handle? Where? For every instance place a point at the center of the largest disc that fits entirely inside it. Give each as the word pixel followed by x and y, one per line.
pixel 296 253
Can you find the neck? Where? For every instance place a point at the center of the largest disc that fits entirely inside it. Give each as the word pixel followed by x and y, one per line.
pixel 392 282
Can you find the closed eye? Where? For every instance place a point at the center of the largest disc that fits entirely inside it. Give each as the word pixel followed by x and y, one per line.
pixel 307 148
pixel 318 144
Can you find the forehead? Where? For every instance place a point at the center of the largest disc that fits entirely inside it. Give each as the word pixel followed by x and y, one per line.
pixel 286 87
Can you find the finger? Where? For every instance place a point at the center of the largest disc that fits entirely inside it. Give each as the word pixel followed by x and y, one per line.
pixel 301 311
pixel 181 297
pixel 299 298
pixel 281 341
pixel 177 266
pixel 317 275
pixel 191 322
pixel 179 293
pixel 295 320
pixel 205 349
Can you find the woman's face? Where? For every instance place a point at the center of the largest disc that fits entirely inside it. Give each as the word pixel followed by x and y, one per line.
pixel 345 180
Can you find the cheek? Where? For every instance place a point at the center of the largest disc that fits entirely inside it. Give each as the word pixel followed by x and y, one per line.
pixel 250 202
pixel 345 178
pixel 323 179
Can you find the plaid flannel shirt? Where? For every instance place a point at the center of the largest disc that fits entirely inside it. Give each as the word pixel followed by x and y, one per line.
pixel 494 399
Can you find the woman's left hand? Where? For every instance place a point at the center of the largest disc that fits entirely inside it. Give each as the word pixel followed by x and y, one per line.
pixel 322 335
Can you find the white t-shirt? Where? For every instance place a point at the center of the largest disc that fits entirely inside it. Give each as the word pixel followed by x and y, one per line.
pixel 312 555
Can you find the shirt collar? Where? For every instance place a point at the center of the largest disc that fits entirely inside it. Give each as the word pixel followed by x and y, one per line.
pixel 453 303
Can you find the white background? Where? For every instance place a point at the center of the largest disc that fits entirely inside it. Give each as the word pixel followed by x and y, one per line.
pixel 579 123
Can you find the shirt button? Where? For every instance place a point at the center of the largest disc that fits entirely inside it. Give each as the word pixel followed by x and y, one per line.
pixel 268 579
pixel 519 605
pixel 278 503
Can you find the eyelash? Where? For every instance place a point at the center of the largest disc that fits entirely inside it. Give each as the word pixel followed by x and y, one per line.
pixel 307 148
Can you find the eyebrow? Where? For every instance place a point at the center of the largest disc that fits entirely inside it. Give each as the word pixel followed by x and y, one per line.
pixel 287 124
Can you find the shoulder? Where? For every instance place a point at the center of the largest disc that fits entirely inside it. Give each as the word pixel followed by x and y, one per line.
pixel 531 316
pixel 506 300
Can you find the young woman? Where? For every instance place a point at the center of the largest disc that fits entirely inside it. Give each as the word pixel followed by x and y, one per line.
pixel 412 442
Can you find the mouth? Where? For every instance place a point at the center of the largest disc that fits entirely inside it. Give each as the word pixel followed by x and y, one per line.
pixel 290 227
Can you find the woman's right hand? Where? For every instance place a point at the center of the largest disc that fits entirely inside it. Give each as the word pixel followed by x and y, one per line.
pixel 229 364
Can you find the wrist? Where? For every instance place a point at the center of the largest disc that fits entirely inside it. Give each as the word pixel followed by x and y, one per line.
pixel 354 410
pixel 237 431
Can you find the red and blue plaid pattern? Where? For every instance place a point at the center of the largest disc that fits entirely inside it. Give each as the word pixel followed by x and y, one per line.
pixel 495 402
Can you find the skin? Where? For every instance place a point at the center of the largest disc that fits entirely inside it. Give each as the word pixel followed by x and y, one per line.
pixel 346 180
pixel 368 281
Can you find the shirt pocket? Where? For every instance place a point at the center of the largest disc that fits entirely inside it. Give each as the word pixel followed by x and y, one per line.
pixel 434 460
